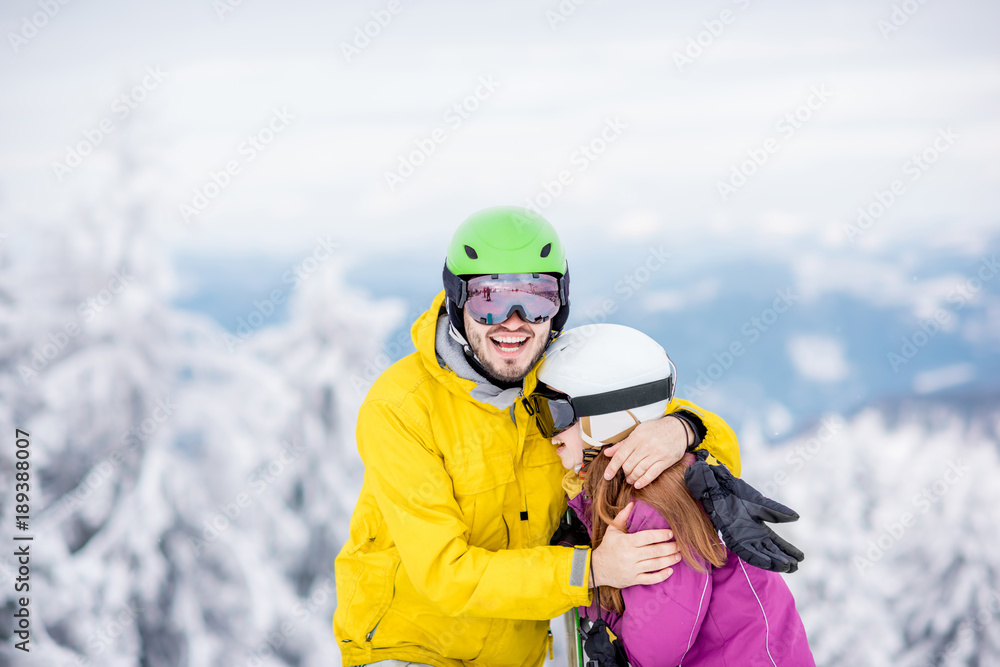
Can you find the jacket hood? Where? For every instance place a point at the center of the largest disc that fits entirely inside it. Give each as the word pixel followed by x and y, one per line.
pixel 445 360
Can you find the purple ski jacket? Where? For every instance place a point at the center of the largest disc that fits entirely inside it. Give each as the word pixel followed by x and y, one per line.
pixel 737 615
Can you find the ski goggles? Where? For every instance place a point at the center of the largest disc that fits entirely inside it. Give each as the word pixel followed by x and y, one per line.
pixel 554 411
pixel 491 299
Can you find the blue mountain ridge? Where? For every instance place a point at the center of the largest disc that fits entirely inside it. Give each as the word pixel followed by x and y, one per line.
pixel 699 334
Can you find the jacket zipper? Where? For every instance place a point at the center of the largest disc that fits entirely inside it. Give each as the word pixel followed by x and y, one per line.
pixel 527 406
pixel 371 632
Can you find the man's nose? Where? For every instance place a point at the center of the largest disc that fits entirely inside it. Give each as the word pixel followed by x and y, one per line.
pixel 514 321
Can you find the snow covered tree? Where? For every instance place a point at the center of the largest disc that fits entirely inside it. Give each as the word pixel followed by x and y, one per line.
pixel 188 499
pixel 899 510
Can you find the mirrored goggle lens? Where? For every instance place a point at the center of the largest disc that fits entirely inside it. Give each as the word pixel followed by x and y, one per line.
pixel 553 415
pixel 492 299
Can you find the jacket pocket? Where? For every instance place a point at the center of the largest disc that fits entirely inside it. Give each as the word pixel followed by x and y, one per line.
pixel 480 490
pixel 365 590
pixel 483 474
pixel 389 593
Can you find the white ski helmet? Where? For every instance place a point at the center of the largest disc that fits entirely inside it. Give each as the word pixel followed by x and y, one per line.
pixel 615 376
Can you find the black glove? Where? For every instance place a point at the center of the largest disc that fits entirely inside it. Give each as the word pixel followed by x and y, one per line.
pixel 571 532
pixel 737 511
pixel 601 651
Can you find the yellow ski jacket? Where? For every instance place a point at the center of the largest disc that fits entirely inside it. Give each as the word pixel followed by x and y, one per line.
pixel 448 559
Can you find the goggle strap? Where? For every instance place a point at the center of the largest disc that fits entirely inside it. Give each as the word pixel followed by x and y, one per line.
pixel 624 399
pixel 455 285
pixel 589 454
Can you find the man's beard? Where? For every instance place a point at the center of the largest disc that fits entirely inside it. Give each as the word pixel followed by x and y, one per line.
pixel 505 372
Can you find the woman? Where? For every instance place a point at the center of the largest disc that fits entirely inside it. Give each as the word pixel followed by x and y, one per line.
pixel 715 609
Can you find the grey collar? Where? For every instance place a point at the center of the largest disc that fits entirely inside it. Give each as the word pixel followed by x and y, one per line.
pixel 449 346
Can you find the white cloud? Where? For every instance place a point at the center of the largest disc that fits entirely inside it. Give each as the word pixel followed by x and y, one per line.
pixel 778 419
pixel 880 281
pixel 819 358
pixel 942 378
pixel 679 299
pixel 637 224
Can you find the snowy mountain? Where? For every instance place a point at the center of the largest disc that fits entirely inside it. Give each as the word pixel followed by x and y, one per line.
pixel 189 488
pixel 192 482
pixel 900 508
pixel 779 336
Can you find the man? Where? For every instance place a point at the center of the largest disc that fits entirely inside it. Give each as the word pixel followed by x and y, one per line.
pixel 448 560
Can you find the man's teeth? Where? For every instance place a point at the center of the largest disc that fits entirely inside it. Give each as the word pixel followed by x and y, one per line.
pixel 510 340
pixel 509 343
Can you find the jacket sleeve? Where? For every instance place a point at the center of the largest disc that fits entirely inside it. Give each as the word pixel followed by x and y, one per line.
pixel 661 621
pixel 417 500
pixel 719 440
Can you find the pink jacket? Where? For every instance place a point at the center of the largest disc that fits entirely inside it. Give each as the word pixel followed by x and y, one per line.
pixel 737 615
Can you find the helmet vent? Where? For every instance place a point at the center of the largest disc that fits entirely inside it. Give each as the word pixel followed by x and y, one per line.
pixel 472 253
pixel 546 249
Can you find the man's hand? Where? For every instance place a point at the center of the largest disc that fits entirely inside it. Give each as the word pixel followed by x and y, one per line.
pixel 625 559
pixel 650 449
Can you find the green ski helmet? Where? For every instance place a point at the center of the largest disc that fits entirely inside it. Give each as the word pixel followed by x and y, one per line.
pixel 499 240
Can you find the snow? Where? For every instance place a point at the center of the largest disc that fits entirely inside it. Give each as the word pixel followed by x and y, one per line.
pixel 899 530
pixel 189 498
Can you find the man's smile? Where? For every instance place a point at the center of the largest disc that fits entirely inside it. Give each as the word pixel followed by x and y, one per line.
pixel 508 344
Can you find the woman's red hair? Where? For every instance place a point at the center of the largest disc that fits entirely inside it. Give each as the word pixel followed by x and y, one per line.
pixel 695 536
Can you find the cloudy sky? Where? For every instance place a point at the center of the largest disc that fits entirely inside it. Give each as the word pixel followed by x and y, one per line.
pixel 821 106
